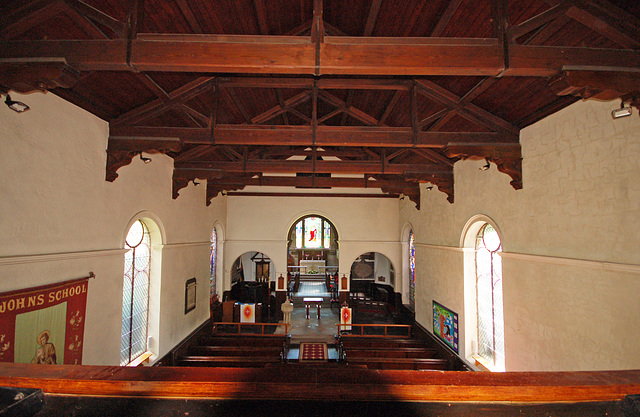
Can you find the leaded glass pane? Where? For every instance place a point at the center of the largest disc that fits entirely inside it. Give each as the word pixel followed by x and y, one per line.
pixel 212 260
pixel 412 271
pixel 489 296
pixel 299 235
pixel 312 231
pixel 135 293
pixel 326 235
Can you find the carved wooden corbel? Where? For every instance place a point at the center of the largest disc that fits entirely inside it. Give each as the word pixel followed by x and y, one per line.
pixel 30 75
pixel 512 167
pixel 117 159
pixel 443 180
pixel 177 185
pixel 214 189
pixel 445 185
pixel 599 85
pixel 507 157
pixel 120 152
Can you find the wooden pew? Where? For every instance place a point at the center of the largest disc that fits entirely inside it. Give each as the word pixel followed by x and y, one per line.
pixel 403 352
pixel 378 342
pixel 208 350
pixel 228 361
pixel 245 340
pixel 415 364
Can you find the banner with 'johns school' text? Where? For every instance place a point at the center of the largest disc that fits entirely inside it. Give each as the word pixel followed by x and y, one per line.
pixel 44 325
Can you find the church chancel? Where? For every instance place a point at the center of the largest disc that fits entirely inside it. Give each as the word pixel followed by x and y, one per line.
pixel 312 266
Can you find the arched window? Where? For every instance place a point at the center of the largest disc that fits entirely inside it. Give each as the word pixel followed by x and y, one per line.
pixel 313 233
pixel 489 296
pixel 135 293
pixel 412 270
pixel 214 254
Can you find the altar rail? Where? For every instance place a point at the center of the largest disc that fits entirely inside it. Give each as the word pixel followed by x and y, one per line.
pixel 404 330
pixel 256 328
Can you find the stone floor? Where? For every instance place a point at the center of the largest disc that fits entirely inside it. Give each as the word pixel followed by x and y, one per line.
pixel 313 329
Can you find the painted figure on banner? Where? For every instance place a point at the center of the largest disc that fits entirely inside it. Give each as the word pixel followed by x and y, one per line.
pixel 46 353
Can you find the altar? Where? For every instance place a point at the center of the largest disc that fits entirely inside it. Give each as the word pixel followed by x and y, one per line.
pixel 310 266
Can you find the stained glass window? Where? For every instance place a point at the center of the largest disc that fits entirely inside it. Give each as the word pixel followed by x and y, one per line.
pixel 489 296
pixel 312 232
pixel 412 270
pixel 214 254
pixel 326 235
pixel 135 293
pixel 299 235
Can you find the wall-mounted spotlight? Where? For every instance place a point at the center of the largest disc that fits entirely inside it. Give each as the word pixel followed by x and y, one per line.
pixel 429 187
pixel 485 166
pixel 621 112
pixel 195 182
pixel 16 106
pixel 144 159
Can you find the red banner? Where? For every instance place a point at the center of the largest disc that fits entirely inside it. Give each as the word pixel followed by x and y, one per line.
pixel 44 325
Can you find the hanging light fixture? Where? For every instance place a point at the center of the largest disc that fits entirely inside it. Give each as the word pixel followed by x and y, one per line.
pixel 16 106
pixel 485 166
pixel 621 112
pixel 144 159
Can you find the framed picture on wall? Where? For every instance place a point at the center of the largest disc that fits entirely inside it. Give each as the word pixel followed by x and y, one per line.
pixel 445 325
pixel 190 295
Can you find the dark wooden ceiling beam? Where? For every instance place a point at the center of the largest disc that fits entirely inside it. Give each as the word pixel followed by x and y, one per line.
pixel 338 55
pixel 237 104
pixel 160 105
pixel 153 86
pixel 293 167
pixel 99 17
pixel 281 108
pixel 306 182
pixel 445 18
pixel 434 156
pixel 467 110
pixel 347 108
pixel 87 25
pixel 189 16
pixel 538 21
pixel 372 17
pixel 605 18
pixel 389 108
pixel 433 118
pixel 26 17
pixel 261 16
pixel 348 136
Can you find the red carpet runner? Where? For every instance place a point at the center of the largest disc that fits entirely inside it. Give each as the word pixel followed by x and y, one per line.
pixel 311 352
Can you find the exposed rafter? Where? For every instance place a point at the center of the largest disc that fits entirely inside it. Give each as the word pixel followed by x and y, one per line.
pixel 425 102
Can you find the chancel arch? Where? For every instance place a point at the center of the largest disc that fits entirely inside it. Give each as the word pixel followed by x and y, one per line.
pixel 312 246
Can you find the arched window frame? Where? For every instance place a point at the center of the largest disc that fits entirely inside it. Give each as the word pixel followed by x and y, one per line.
pixel 135 298
pixel 412 270
pixel 157 236
pixel 213 262
pixel 471 234
pixel 325 227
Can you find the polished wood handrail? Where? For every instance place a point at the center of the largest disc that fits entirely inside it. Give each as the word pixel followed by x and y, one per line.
pixel 286 382
pixel 240 325
pixel 386 327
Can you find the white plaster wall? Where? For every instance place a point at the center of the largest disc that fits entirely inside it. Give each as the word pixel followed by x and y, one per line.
pixel 574 306
pixel 55 202
pixel 261 224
